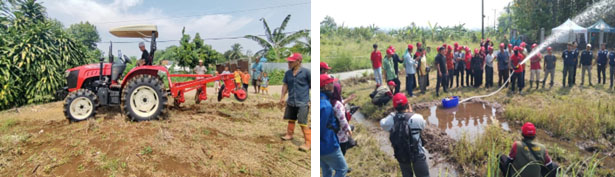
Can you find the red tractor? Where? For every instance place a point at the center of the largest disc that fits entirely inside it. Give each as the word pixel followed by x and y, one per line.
pixel 141 94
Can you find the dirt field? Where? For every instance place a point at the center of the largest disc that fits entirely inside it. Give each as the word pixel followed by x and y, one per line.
pixel 210 139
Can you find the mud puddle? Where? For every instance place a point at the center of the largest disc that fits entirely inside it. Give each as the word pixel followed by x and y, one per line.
pixel 467 118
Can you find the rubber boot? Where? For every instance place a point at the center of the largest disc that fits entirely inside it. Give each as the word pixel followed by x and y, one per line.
pixel 543 83
pixel 289 131
pixel 531 82
pixel 307 133
pixel 538 84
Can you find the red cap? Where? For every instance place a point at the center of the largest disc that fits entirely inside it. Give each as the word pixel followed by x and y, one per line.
pixel 467 49
pixel 528 129
pixel 410 47
pixel 399 99
pixel 516 48
pixel 475 50
pixel 391 83
pixel 490 48
pixel 418 45
pixel 324 65
pixel 450 48
pixel 456 44
pixel 482 49
pixel 522 44
pixel 549 48
pixel 325 79
pixel 390 51
pixel 502 45
pixel 510 46
pixel 459 48
pixel 294 57
pixel 534 45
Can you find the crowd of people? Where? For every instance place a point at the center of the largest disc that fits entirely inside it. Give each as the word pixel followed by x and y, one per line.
pixel 452 62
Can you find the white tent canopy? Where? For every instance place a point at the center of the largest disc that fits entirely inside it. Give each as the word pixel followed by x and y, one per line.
pixel 568 31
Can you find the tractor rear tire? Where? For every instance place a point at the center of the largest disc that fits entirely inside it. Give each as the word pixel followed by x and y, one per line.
pixel 80 105
pixel 144 98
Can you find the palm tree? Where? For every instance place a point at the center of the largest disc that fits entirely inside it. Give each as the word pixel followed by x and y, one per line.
pixel 276 41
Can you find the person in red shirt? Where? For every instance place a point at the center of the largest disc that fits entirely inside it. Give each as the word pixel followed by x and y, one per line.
pixel 450 65
pixel 515 63
pixel 376 65
pixel 535 68
pixel 469 75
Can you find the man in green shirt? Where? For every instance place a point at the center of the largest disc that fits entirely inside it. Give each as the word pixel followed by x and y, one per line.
pixel 387 65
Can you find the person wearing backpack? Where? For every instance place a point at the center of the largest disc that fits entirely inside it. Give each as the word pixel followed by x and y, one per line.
pixel 405 129
pixel 528 158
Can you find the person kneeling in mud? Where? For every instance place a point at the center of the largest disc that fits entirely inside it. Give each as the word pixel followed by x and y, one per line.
pixel 405 129
pixel 383 94
pixel 528 158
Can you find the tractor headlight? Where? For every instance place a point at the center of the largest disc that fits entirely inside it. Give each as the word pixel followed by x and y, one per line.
pixel 66 73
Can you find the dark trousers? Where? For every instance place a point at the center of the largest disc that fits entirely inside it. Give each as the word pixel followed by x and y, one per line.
pixel 612 74
pixel 449 80
pixel 516 80
pixel 410 83
pixel 569 73
pixel 459 72
pixel 397 84
pixel 488 76
pixel 502 77
pixel 574 75
pixel 344 147
pixel 478 77
pixel 441 82
pixel 469 78
pixel 417 168
pixel 602 69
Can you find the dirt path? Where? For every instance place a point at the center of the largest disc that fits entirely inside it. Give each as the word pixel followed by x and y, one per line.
pixel 210 139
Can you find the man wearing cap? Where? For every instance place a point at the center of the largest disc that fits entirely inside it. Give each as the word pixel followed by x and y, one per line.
pixel 410 66
pixel 396 60
pixel 612 66
pixel 422 67
pixel 602 61
pixel 405 128
pixel 478 64
pixel 387 65
pixel 469 74
pixel 383 94
pixel 575 55
pixel 257 69
pixel 199 69
pixel 297 85
pixel 331 157
pixel 489 67
pixel 450 66
pixel 442 71
pixel 376 58
pixel 527 158
pixel 549 67
pixel 569 65
pixel 535 68
pixel 515 63
pixel 503 58
pixel 145 59
pixel 459 66
pixel 586 64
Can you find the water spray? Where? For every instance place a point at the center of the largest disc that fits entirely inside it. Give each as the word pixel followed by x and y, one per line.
pixel 589 13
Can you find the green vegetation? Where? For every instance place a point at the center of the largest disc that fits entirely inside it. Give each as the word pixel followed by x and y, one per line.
pixel 275 43
pixel 34 53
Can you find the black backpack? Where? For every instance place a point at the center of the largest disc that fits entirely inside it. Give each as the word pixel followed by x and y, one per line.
pixel 405 147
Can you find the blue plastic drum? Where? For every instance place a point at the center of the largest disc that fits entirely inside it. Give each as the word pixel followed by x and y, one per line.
pixel 450 102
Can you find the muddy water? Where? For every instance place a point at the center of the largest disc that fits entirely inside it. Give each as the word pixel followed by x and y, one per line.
pixel 437 164
pixel 467 118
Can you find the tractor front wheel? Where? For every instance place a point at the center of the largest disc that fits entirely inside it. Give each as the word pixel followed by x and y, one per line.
pixel 144 98
pixel 80 105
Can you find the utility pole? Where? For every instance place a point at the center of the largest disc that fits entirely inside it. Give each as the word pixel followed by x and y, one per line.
pixel 494 18
pixel 482 19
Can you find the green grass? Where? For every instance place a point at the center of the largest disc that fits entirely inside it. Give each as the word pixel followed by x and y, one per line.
pixel 6 124
pixel 146 150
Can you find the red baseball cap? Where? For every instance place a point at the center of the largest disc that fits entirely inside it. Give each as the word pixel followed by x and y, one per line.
pixel 391 83
pixel 522 44
pixel 501 45
pixel 325 79
pixel 410 46
pixel 482 49
pixel 475 50
pixel 516 48
pixel 399 99
pixel 528 129
pixel 490 48
pixel 418 45
pixel 390 51
pixel 450 48
pixel 510 46
pixel 456 44
pixel 534 45
pixel 294 57
pixel 549 48
pixel 324 65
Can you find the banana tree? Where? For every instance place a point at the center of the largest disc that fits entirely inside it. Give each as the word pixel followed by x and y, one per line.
pixel 275 42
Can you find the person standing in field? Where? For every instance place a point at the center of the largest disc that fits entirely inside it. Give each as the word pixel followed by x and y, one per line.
pixel 477 68
pixel 549 66
pixel 489 67
pixel 503 62
pixel 257 69
pixel 586 62
pixel 238 75
pixel 199 69
pixel 264 83
pixel 450 66
pixel 568 71
pixel 602 61
pixel 297 85
pixel 422 69
pixel 535 68
pixel 387 65
pixel 245 79
pixel 410 66
pixel 331 157
pixel 469 74
pixel 575 56
pixel 396 60
pixel 440 61
pixel 376 58
pixel 459 66
pixel 405 128
pixel 612 66
pixel 515 63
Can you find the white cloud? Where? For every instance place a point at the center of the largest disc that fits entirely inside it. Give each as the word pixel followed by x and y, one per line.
pixel 118 13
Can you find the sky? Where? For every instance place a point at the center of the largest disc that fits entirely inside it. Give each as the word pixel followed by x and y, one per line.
pixel 392 14
pixel 210 18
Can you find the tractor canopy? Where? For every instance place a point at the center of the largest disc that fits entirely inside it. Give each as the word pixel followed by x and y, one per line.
pixel 135 31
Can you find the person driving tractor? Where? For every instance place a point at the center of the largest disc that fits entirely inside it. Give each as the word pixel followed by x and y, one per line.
pixel 145 60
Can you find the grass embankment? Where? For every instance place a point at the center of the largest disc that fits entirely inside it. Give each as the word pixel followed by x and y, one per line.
pixel 209 139
pixel 567 115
